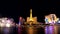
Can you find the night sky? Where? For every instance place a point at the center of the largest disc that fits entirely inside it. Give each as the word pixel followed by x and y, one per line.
pixel 17 8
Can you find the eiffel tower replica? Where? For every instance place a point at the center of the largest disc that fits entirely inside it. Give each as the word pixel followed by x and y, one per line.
pixel 31 20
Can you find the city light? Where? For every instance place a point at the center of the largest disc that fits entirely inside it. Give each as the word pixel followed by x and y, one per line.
pixel 2 25
pixel 58 21
pixel 6 22
pixel 31 20
pixel 49 29
pixel 7 25
pixel 51 19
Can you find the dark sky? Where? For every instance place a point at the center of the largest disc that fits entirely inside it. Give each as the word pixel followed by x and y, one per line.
pixel 16 8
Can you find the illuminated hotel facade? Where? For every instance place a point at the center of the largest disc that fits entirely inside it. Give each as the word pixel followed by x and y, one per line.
pixel 31 20
pixel 51 19
pixel 21 20
pixel 6 22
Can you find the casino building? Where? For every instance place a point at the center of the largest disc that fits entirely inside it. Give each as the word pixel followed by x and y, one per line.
pixel 31 20
pixel 51 19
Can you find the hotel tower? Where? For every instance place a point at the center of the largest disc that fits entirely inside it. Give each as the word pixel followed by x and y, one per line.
pixel 31 19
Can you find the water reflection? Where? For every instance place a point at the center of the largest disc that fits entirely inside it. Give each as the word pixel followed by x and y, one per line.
pixel 51 30
pixel 6 30
pixel 19 30
pixel 56 29
pixel 31 30
pixel 34 30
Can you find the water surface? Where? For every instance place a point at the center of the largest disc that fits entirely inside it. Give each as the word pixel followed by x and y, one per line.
pixel 31 30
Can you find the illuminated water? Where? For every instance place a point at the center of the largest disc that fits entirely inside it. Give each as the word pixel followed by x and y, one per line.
pixel 31 30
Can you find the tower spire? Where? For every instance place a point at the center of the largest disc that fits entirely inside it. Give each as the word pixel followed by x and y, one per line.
pixel 30 14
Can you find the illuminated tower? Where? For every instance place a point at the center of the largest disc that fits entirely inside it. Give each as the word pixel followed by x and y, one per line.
pixel 31 18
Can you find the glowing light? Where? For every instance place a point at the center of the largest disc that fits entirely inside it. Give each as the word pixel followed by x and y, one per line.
pixel 58 21
pixel 2 25
pixel 31 20
pixel 3 20
pixel 6 22
pixel 46 20
pixel 51 18
pixel 49 29
pixel 19 23
pixel 7 25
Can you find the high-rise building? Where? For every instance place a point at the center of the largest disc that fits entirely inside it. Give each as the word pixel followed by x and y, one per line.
pixel 6 22
pixel 31 19
pixel 51 18
pixel 21 20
